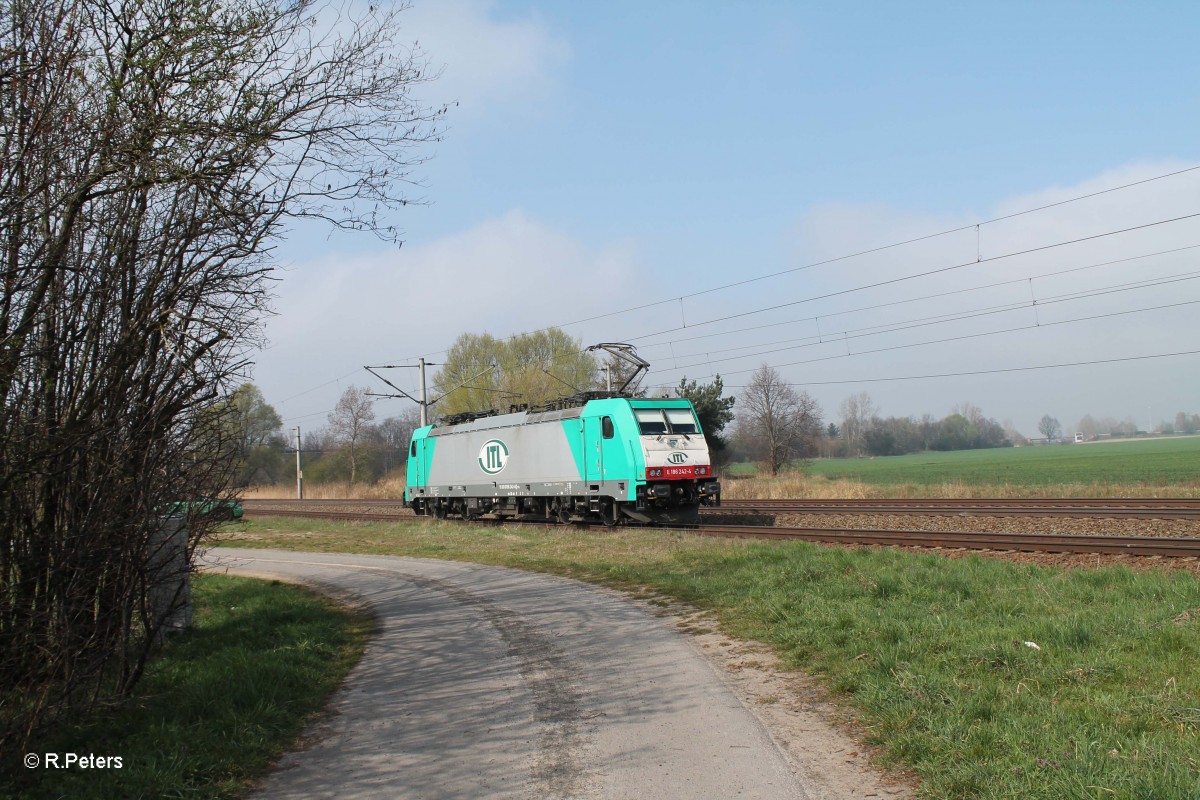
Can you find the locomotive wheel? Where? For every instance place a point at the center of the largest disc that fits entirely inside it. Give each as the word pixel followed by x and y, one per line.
pixel 439 511
pixel 610 515
pixel 564 515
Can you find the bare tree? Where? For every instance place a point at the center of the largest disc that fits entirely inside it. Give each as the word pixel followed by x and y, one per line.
pixel 349 423
pixel 857 411
pixel 1012 434
pixel 1049 427
pixel 153 152
pixel 786 422
pixel 970 412
pixel 394 434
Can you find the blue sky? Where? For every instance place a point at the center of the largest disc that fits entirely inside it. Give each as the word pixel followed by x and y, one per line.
pixel 606 156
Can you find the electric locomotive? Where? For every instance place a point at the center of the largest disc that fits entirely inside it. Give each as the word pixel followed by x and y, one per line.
pixel 600 457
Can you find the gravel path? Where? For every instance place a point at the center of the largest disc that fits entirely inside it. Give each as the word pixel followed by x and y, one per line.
pixel 492 682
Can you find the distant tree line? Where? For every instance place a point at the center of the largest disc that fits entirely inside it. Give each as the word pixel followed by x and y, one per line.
pixel 776 424
pixel 864 432
pixel 894 436
pixel 966 428
pixel 1184 423
pixel 352 448
pixel 1091 427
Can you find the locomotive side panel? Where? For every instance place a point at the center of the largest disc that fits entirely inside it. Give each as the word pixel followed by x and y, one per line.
pixel 513 460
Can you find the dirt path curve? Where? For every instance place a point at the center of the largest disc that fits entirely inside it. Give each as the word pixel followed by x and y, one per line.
pixel 485 682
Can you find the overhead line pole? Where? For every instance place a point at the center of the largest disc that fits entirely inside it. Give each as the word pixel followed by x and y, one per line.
pixel 299 471
pixel 422 399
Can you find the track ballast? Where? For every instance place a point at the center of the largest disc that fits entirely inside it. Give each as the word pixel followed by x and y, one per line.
pixel 1168 547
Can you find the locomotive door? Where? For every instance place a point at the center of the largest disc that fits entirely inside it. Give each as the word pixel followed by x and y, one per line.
pixel 593 453
pixel 420 462
pixel 417 462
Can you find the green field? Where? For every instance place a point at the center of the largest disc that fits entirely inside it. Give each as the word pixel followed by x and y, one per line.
pixel 1157 462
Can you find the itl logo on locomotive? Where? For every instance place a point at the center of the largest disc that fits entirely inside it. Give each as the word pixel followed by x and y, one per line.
pixel 493 456
pixel 677 458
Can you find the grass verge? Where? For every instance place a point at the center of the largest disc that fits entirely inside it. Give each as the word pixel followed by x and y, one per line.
pixel 931 651
pixel 216 706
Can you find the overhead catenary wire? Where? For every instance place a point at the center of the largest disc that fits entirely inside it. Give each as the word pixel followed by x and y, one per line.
pixel 914 276
pixel 881 248
pixel 947 232
pixel 319 386
pixel 956 316
pixel 694 324
pixel 949 339
pixel 996 371
pixel 927 273
pixel 934 296
pixel 310 416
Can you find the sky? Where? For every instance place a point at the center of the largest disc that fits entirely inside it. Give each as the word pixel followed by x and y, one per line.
pixel 725 185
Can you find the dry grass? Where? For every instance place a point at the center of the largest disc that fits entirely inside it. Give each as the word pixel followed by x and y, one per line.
pixel 387 489
pixel 794 485
pixel 817 487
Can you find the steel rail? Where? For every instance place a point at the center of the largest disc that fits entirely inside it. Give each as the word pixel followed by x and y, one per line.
pixel 1021 542
pixel 931 502
pixel 1107 508
pixel 317 513
pixel 982 502
pixel 968 508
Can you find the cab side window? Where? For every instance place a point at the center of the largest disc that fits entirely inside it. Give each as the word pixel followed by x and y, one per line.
pixel 414 448
pixel 606 427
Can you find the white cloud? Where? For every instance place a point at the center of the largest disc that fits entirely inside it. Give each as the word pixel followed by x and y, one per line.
pixel 1148 390
pixel 514 273
pixel 484 61
pixel 507 275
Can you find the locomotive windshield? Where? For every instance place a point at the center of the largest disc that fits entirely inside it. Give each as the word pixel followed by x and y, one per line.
pixel 651 421
pixel 681 420
pixel 655 421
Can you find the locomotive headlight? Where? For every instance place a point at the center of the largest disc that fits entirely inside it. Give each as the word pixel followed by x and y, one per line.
pixel 654 473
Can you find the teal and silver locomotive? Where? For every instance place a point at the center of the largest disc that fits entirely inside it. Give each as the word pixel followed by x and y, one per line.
pixel 614 459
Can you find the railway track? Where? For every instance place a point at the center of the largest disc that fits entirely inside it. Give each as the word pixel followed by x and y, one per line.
pixel 1084 508
pixel 1019 542
pixel 1080 508
pixel 999 541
